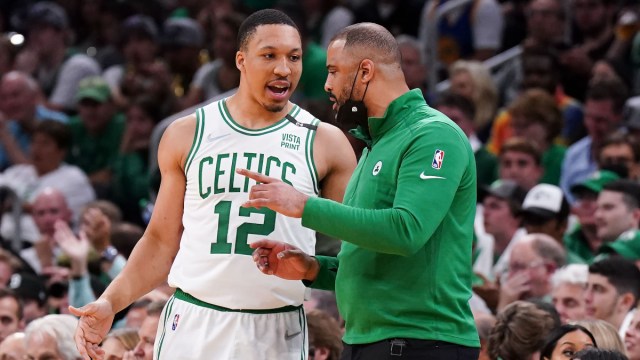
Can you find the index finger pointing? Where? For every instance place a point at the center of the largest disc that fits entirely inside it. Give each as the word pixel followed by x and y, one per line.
pixel 256 176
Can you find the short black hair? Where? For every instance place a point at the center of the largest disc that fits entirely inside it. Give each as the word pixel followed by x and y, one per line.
pixel 623 274
pixel 557 333
pixel 258 18
pixel 459 102
pixel 609 89
pixel 629 189
pixel 373 37
pixel 59 132
pixel 591 353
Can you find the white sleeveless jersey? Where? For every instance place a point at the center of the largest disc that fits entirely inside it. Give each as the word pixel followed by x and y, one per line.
pixel 214 262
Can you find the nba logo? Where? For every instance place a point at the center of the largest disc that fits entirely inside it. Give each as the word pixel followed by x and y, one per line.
pixel 438 157
pixel 175 322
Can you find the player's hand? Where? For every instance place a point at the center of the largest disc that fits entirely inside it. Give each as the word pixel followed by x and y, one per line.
pixel 274 194
pixel 95 321
pixel 284 260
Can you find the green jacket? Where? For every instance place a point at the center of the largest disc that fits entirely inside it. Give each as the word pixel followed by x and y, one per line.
pixel 404 269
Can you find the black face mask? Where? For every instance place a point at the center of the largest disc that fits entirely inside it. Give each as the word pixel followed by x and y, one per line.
pixel 353 113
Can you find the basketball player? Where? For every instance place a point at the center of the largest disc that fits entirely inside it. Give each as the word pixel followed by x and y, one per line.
pixel 199 234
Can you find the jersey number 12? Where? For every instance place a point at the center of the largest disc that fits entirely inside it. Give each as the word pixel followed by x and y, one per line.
pixel 223 210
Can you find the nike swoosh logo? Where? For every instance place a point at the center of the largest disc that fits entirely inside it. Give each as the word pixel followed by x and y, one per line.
pixel 211 138
pixel 288 336
pixel 426 177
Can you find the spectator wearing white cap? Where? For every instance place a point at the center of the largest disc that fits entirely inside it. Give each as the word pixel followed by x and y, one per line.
pixel 545 210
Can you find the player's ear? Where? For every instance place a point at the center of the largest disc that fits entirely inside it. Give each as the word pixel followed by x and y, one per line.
pixel 239 60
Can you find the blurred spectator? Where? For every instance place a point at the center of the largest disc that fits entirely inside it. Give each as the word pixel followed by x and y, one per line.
pixel 462 111
pixel 501 206
pixel 137 313
pixel 325 18
pixel 13 347
pixel 536 117
pixel 539 69
pixel 603 115
pixel 621 149
pixel 124 237
pixel 182 40
pixel 532 262
pixel 473 81
pixel 52 337
pixel 147 331
pixel 119 341
pixel 138 43
pixel 20 112
pixel 582 240
pixel 598 354
pixel 520 160
pixel 568 285
pixel 565 341
pixel 612 292
pixel 220 75
pixel 592 36
pixel 96 133
pixel 7 54
pixel 519 332
pixel 484 324
pixel 10 313
pixel 605 334
pixel 45 56
pixel 49 145
pixel 324 336
pixel 49 207
pixel 414 64
pixel 398 16
pixel 31 290
pixel 546 23
pixel 545 210
pixel 322 300
pixel 618 210
pixel 9 265
pixel 130 170
pixel 472 32
pixel 632 337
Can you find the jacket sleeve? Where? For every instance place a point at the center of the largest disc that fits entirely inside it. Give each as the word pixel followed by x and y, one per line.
pixel 326 279
pixel 423 197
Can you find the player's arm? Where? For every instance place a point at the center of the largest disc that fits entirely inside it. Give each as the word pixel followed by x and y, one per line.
pixel 419 205
pixel 151 259
pixel 335 161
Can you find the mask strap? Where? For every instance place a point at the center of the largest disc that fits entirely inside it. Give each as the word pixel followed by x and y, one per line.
pixel 354 83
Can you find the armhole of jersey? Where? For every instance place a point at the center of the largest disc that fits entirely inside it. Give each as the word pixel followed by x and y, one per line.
pixel 311 135
pixel 197 139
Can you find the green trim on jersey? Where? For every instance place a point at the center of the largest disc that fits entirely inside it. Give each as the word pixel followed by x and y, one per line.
pixel 179 294
pixel 167 313
pixel 197 139
pixel 311 135
pixel 226 116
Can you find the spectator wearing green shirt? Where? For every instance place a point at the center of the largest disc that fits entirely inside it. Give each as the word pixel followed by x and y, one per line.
pixel 96 133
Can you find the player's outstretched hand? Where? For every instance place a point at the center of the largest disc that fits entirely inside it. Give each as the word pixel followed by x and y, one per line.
pixel 95 321
pixel 284 260
pixel 274 194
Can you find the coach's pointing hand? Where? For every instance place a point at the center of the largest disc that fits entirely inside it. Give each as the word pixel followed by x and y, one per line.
pixel 274 194
pixel 284 260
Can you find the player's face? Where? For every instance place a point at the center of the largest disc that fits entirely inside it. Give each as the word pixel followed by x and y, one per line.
pixel 271 65
pixel 342 70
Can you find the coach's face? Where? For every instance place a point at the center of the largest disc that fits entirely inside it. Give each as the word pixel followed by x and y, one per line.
pixel 271 65
pixel 342 70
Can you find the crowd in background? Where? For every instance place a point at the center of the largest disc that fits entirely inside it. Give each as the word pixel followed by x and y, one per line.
pixel 555 130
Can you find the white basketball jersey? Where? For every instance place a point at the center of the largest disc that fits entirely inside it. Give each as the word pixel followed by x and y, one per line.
pixel 214 262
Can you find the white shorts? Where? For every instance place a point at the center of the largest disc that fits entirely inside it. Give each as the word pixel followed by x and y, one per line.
pixel 191 329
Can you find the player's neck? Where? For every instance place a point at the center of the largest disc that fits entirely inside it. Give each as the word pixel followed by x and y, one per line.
pixel 247 112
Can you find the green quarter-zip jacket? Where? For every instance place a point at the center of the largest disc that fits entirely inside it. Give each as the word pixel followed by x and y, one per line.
pixel 404 269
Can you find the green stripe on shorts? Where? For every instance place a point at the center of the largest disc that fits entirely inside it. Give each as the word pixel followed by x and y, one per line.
pixel 179 294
